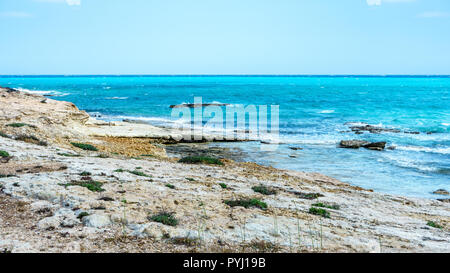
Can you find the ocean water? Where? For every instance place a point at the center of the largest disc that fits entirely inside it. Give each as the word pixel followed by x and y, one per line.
pixel 314 115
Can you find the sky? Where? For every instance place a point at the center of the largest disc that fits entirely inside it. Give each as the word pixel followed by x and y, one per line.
pixel 224 37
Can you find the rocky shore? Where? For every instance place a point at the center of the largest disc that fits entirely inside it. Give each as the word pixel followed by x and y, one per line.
pixel 70 183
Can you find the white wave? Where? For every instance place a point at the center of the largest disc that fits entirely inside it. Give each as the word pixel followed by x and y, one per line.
pixel 42 92
pixel 116 98
pixel 326 112
pixel 444 150
pixel 409 163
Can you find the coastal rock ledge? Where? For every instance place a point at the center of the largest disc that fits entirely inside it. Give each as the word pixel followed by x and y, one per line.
pixel 91 186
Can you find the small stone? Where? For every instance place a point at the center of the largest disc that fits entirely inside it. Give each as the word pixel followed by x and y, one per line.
pixel 96 221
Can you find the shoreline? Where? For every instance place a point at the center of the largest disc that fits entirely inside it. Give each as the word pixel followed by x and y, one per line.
pixel 42 174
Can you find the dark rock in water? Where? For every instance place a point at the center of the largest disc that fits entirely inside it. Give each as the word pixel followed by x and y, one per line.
pixel 376 146
pixel 356 144
pixel 197 105
pixel 391 148
pixel 372 129
pixel 353 144
pixel 441 192
pixel 444 200
pixel 293 156
pixel 412 133
pixel 429 133
pixel 295 148
pixel 359 133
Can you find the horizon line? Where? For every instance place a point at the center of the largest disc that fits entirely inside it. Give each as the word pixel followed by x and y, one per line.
pixel 223 75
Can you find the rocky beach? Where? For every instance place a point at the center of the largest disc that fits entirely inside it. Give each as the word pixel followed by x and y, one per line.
pixel 71 183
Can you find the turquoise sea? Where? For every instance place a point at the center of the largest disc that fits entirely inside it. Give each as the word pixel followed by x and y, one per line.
pixel 314 115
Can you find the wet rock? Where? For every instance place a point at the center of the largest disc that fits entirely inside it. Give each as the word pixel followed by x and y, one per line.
pixel 441 192
pixel 391 148
pixel 353 144
pixel 295 148
pixel 356 144
pixel 375 146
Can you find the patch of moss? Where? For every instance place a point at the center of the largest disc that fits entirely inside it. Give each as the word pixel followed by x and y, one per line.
pixel 85 173
pixel 320 212
pixel 200 160
pixel 322 205
pixel 264 190
pixel 246 203
pixel 119 171
pixel 103 156
pixel 170 186
pixel 84 146
pixel 190 179
pixel 94 186
pixel 4 154
pixel 223 185
pixel 433 224
pixel 166 218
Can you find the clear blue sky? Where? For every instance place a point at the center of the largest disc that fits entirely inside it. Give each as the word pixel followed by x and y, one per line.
pixel 225 37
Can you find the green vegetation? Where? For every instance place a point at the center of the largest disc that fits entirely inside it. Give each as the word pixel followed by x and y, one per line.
pixel 94 186
pixel 119 171
pixel 4 153
pixel 264 190
pixel 200 160
pixel 433 224
pixel 84 146
pixel 166 218
pixel 246 203
pixel 139 173
pixel 83 214
pixel 170 186
pixel 17 125
pixel 322 205
pixel 223 185
pixel 103 156
pixel 320 212
pixel 85 173
pixel 190 179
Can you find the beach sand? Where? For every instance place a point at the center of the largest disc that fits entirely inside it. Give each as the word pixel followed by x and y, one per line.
pixel 43 208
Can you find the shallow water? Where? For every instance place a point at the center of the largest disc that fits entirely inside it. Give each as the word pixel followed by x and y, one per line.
pixel 313 114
